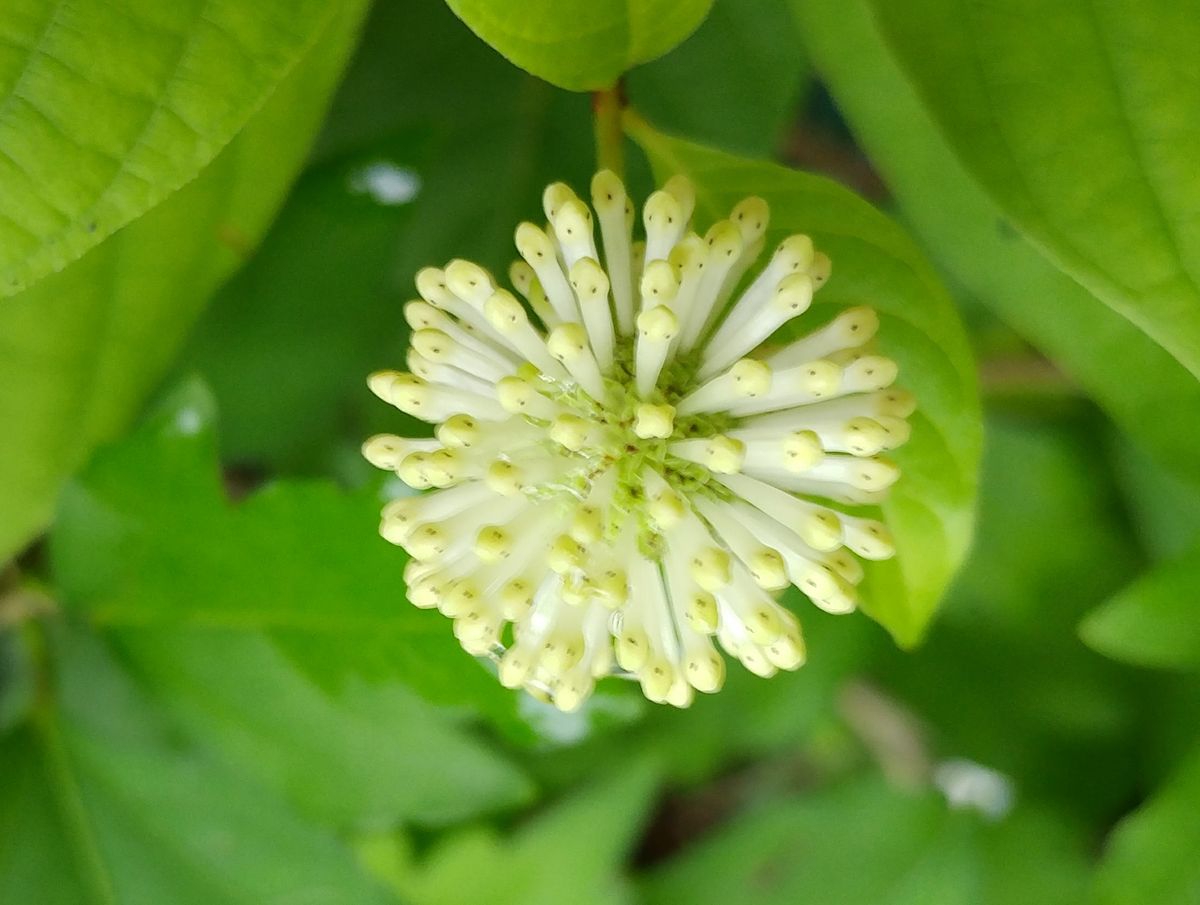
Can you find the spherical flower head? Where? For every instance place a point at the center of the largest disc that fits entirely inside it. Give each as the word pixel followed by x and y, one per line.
pixel 630 464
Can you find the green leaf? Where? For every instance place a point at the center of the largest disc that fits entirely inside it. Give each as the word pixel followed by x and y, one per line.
pixel 146 538
pixel 101 805
pixel 1151 856
pixel 863 842
pixel 1078 119
pixel 581 45
pixel 734 84
pixel 1133 378
pixel 930 510
pixel 94 140
pixel 350 754
pixel 79 350
pixel 574 852
pixel 1155 621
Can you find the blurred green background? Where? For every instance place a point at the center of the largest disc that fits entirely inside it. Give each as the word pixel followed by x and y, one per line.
pixel 211 689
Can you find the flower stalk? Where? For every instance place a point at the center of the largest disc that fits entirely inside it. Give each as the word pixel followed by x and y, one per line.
pixel 607 107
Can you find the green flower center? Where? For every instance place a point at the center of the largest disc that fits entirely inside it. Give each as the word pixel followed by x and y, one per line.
pixel 617 446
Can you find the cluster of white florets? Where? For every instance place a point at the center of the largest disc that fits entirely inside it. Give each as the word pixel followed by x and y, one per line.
pixel 625 467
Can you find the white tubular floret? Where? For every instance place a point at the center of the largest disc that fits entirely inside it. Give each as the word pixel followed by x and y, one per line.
pixel 540 253
pixel 612 206
pixel 656 327
pixel 591 290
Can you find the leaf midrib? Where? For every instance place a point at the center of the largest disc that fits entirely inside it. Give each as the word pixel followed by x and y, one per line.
pixel 68 796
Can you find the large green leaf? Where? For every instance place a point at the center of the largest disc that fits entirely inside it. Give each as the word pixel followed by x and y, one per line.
pixel 105 110
pixel 862 842
pixel 1079 118
pixel 1154 622
pixel 930 510
pixel 581 44
pixel 1151 856
pixel 79 350
pixel 102 804
pixel 1134 379
pixel 575 852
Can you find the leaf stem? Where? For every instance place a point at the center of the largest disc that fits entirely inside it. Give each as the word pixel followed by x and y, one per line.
pixel 607 106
